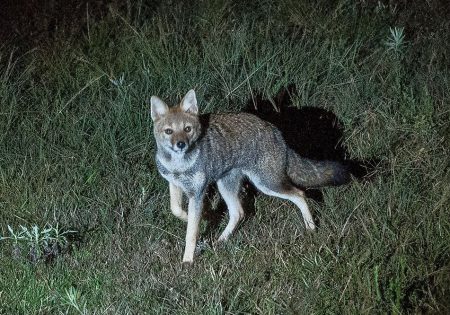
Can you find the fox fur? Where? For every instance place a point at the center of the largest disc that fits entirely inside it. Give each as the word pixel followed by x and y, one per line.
pixel 195 151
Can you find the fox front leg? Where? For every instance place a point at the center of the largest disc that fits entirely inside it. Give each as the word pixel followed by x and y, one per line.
pixel 193 223
pixel 176 201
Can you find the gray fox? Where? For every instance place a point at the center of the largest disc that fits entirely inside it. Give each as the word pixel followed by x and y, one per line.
pixel 195 151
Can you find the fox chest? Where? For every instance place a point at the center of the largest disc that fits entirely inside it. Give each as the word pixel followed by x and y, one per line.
pixel 189 181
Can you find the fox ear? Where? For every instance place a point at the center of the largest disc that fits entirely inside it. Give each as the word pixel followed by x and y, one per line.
pixel 189 103
pixel 158 107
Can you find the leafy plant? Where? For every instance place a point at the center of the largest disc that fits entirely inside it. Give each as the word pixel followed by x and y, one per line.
pixel 73 299
pixel 47 242
pixel 396 40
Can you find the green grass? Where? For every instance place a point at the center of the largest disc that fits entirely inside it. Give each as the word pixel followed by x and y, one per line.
pixel 76 151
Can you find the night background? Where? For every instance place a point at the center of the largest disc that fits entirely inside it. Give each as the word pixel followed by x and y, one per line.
pixel 85 224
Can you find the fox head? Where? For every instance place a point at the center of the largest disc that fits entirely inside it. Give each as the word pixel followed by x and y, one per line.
pixel 175 128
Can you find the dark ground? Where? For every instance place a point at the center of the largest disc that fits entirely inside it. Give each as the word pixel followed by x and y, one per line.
pixel 29 23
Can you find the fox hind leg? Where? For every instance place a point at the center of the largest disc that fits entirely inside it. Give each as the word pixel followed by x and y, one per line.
pixel 286 190
pixel 229 190
pixel 297 196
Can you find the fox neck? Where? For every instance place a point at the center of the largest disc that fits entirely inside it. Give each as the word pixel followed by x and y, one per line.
pixel 177 162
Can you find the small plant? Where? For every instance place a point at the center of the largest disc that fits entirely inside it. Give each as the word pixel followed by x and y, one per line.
pixel 16 238
pixel 39 243
pixel 118 82
pixel 73 299
pixel 396 40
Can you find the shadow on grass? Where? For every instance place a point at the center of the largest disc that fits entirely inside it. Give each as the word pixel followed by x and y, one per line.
pixel 312 132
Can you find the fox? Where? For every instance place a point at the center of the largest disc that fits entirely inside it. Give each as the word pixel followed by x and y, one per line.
pixel 194 151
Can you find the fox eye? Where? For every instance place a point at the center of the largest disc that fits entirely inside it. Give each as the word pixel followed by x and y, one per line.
pixel 168 131
pixel 187 129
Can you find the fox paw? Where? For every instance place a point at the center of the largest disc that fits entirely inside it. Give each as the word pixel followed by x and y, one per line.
pixel 310 226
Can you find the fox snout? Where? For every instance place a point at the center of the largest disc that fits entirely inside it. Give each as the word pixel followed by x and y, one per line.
pixel 179 142
pixel 181 145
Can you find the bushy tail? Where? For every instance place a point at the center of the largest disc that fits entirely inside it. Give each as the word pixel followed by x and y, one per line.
pixel 311 173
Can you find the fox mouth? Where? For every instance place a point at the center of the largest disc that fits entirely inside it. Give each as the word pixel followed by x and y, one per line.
pixel 177 150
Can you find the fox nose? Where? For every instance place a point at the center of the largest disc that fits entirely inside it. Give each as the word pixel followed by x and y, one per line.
pixel 181 145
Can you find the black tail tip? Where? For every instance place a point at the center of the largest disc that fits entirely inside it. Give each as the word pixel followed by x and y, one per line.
pixel 342 173
pixel 354 169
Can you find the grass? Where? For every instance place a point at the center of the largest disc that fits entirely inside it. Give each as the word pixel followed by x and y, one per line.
pixel 77 155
